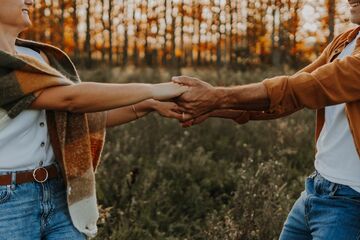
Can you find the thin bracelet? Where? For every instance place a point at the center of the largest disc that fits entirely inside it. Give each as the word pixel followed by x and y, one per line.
pixel 134 109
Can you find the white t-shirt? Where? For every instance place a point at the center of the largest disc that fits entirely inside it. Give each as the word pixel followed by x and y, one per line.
pixel 24 141
pixel 337 159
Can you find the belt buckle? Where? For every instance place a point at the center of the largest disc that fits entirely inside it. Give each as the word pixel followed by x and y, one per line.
pixel 36 170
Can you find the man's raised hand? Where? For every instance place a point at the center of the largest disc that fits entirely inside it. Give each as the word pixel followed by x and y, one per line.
pixel 199 99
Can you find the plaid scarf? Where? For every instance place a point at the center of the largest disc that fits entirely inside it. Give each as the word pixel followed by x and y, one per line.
pixel 77 139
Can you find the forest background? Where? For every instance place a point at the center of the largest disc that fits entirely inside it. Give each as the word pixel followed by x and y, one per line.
pixel 218 180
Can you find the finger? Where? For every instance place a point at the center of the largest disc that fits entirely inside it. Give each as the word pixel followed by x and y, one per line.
pixel 184 80
pixel 188 107
pixel 175 115
pixel 178 108
pixel 181 104
pixel 184 107
pixel 199 120
pixel 185 125
pixel 189 123
pixel 182 88
pixel 186 117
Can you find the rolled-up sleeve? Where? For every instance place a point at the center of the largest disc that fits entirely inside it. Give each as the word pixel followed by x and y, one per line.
pixel 333 83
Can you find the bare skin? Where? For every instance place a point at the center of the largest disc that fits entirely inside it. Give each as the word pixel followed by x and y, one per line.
pixel 89 97
pixel 203 98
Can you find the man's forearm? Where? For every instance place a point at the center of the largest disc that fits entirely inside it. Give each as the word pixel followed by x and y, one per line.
pixel 245 97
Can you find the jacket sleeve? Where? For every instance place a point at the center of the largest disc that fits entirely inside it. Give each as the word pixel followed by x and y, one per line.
pixel 274 113
pixel 333 83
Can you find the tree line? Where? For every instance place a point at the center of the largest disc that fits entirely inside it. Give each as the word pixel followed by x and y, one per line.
pixel 182 32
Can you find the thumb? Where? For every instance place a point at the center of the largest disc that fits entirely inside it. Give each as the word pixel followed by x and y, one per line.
pixel 183 80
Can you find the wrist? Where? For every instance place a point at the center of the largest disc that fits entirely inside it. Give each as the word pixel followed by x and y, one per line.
pixel 151 105
pixel 220 97
pixel 157 90
pixel 151 89
pixel 144 107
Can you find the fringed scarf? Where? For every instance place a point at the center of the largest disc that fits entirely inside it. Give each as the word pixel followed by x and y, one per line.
pixel 77 139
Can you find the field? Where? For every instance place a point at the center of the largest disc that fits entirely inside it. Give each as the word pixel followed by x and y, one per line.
pixel 216 181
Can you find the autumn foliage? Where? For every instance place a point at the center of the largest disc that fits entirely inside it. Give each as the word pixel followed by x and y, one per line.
pixel 189 32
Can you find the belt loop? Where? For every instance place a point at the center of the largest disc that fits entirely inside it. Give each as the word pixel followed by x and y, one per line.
pixel 13 180
pixel 57 166
pixel 333 188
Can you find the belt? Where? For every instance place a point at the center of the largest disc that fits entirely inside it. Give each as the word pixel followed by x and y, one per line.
pixel 40 175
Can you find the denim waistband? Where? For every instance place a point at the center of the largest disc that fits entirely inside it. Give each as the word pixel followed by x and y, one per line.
pixel 317 184
pixel 321 185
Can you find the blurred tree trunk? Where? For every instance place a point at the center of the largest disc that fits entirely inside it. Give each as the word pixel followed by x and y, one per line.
pixel 275 44
pixel 126 37
pixel 331 4
pixel 51 20
pixel 232 6
pixel 199 18
pixel 147 53
pixel 62 24
pixel 103 48
pixel 136 40
pixel 76 32
pixel 261 30
pixel 218 23
pixel 173 44
pixel 239 35
pixel 165 50
pixel 181 47
pixel 110 23
pixel 295 26
pixel 250 27
pixel 88 59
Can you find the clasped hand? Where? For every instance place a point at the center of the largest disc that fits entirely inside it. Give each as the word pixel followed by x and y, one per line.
pixel 196 102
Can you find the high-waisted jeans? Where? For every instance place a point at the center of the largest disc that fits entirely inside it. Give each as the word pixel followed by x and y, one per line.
pixel 324 211
pixel 36 211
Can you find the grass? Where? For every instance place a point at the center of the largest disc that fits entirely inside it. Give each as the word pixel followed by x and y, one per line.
pixel 218 180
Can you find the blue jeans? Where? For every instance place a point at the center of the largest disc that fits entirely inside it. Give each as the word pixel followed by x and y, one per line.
pixel 34 211
pixel 324 211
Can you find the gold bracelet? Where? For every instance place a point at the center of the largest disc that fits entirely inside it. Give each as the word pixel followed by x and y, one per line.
pixel 134 109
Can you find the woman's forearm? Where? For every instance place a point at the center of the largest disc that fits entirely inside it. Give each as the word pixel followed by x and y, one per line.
pixel 127 114
pixel 95 97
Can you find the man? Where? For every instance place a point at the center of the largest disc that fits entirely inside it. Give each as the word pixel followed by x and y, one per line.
pixel 329 208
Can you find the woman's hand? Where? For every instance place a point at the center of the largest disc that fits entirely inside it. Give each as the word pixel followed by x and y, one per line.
pixel 166 91
pixel 127 114
pixel 195 121
pixel 168 110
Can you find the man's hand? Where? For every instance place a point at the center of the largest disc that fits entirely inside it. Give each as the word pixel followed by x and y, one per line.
pixel 199 99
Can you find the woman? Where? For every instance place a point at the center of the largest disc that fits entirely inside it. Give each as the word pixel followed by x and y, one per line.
pixel 52 133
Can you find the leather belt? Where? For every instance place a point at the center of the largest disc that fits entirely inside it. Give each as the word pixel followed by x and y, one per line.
pixel 40 175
